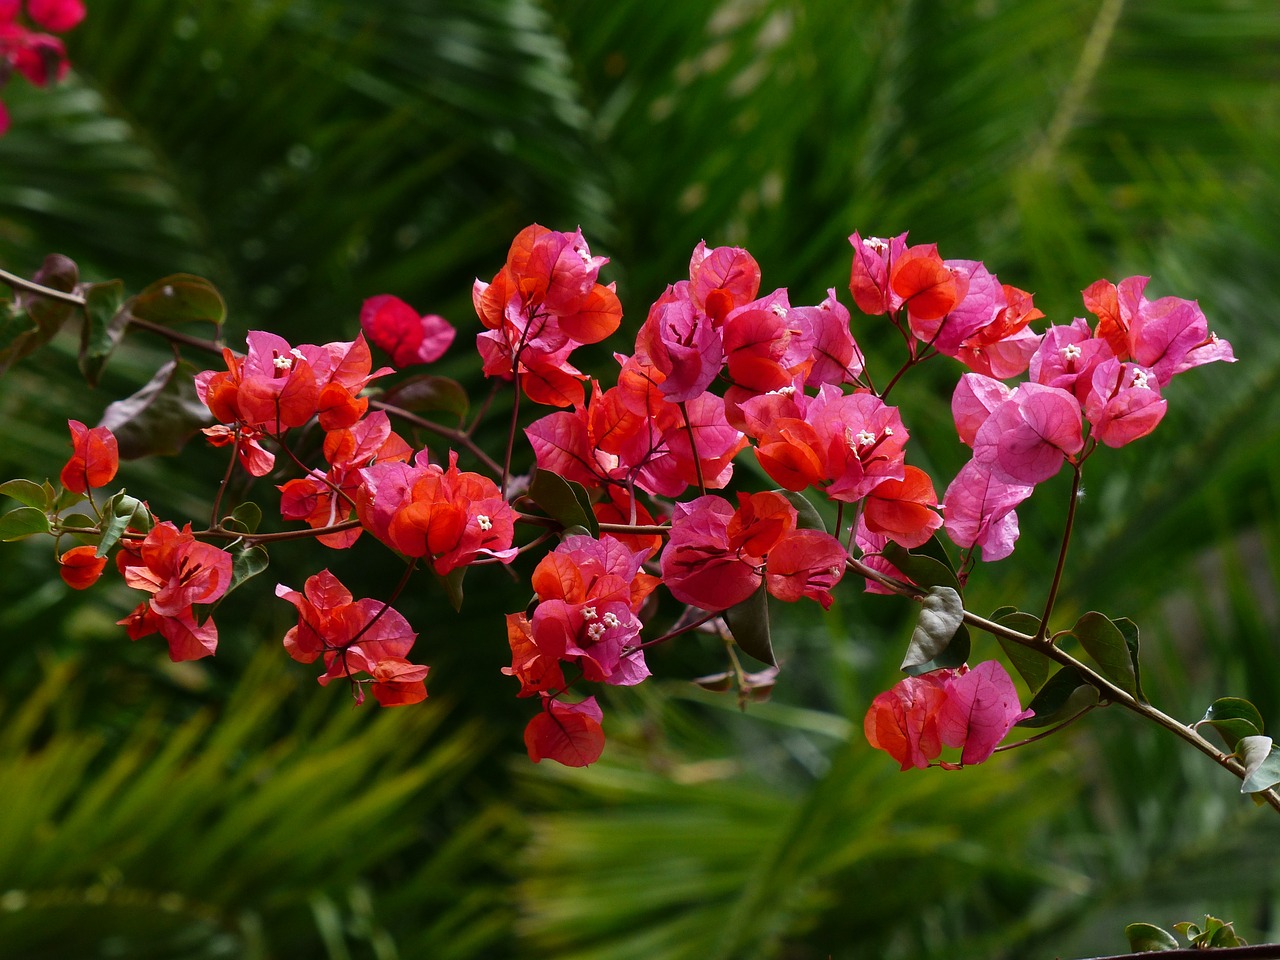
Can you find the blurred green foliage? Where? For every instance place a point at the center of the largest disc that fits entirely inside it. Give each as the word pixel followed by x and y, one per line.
pixel 307 154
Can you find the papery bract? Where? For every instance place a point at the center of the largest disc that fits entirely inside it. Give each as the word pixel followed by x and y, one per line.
pixel 80 567
pixel 980 709
pixel 901 509
pixel 1123 403
pixel 567 733
pixel 1027 437
pixel 978 511
pixel 94 460
pixel 397 329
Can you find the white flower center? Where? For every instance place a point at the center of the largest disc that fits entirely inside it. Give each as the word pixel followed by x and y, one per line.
pixel 865 438
pixel 282 363
pixel 1072 351
pixel 484 522
pixel 595 631
pixel 877 245
pixel 609 620
pixel 588 613
pixel 1139 380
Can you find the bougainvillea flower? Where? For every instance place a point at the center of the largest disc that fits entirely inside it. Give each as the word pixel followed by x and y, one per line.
pixel 398 683
pixel 978 297
pixel 424 510
pixel 849 441
pixel 904 510
pixel 1003 347
pixel 94 459
pixel 717 556
pixel 80 567
pixel 682 344
pixel 1027 437
pixel 540 306
pixel 1123 403
pixel 324 499
pixel 568 733
pixel 869 278
pixel 179 572
pixel 589 592
pixel 903 721
pixel 1067 356
pixel 981 708
pixel 256 459
pixel 978 511
pixel 926 286
pixel 1168 335
pixel 353 636
pixel 836 357
pixel 396 328
pixel 971 710
pixel 722 279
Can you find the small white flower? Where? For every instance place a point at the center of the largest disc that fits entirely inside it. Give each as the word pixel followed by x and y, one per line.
pixel 865 438
pixel 484 522
pixel 588 613
pixel 1072 351
pixel 282 363
pixel 595 631
pixel 609 620
pixel 1139 380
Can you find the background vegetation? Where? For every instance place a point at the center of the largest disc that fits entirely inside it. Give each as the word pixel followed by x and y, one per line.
pixel 310 153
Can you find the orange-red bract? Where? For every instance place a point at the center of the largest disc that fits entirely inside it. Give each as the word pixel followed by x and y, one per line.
pixel 94 459
pixel 80 568
pixel 567 733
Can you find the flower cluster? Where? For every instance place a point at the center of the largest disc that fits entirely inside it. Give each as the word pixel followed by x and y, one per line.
pixel 716 367
pixel 38 56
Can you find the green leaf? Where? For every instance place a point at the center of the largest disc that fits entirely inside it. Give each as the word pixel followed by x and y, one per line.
pixel 1064 695
pixel 1130 631
pixel 104 324
pixel 426 393
pixel 121 512
pixel 452 583
pixel 1031 664
pixel 749 623
pixel 246 564
pixel 1107 645
pixel 563 500
pixel 808 517
pixel 955 653
pixel 941 616
pixel 248 515
pixel 23 522
pixel 1261 762
pixel 161 417
pixel 1148 938
pixel 181 298
pixel 1234 719
pixel 923 570
pixel 29 492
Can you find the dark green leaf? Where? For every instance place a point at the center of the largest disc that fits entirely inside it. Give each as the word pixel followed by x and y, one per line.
pixel 1261 762
pixel 749 623
pixel 1234 719
pixel 246 564
pixel 29 492
pixel 23 522
pixel 1105 643
pixel 1032 665
pixel 808 517
pixel 923 570
pixel 428 394
pixel 955 653
pixel 563 500
pixel 248 515
pixel 161 416
pixel 1130 631
pixel 1064 695
pixel 181 298
pixel 104 324
pixel 941 615
pixel 1147 938
pixel 120 513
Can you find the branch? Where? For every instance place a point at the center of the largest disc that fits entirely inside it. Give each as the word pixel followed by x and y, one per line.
pixel 1108 690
